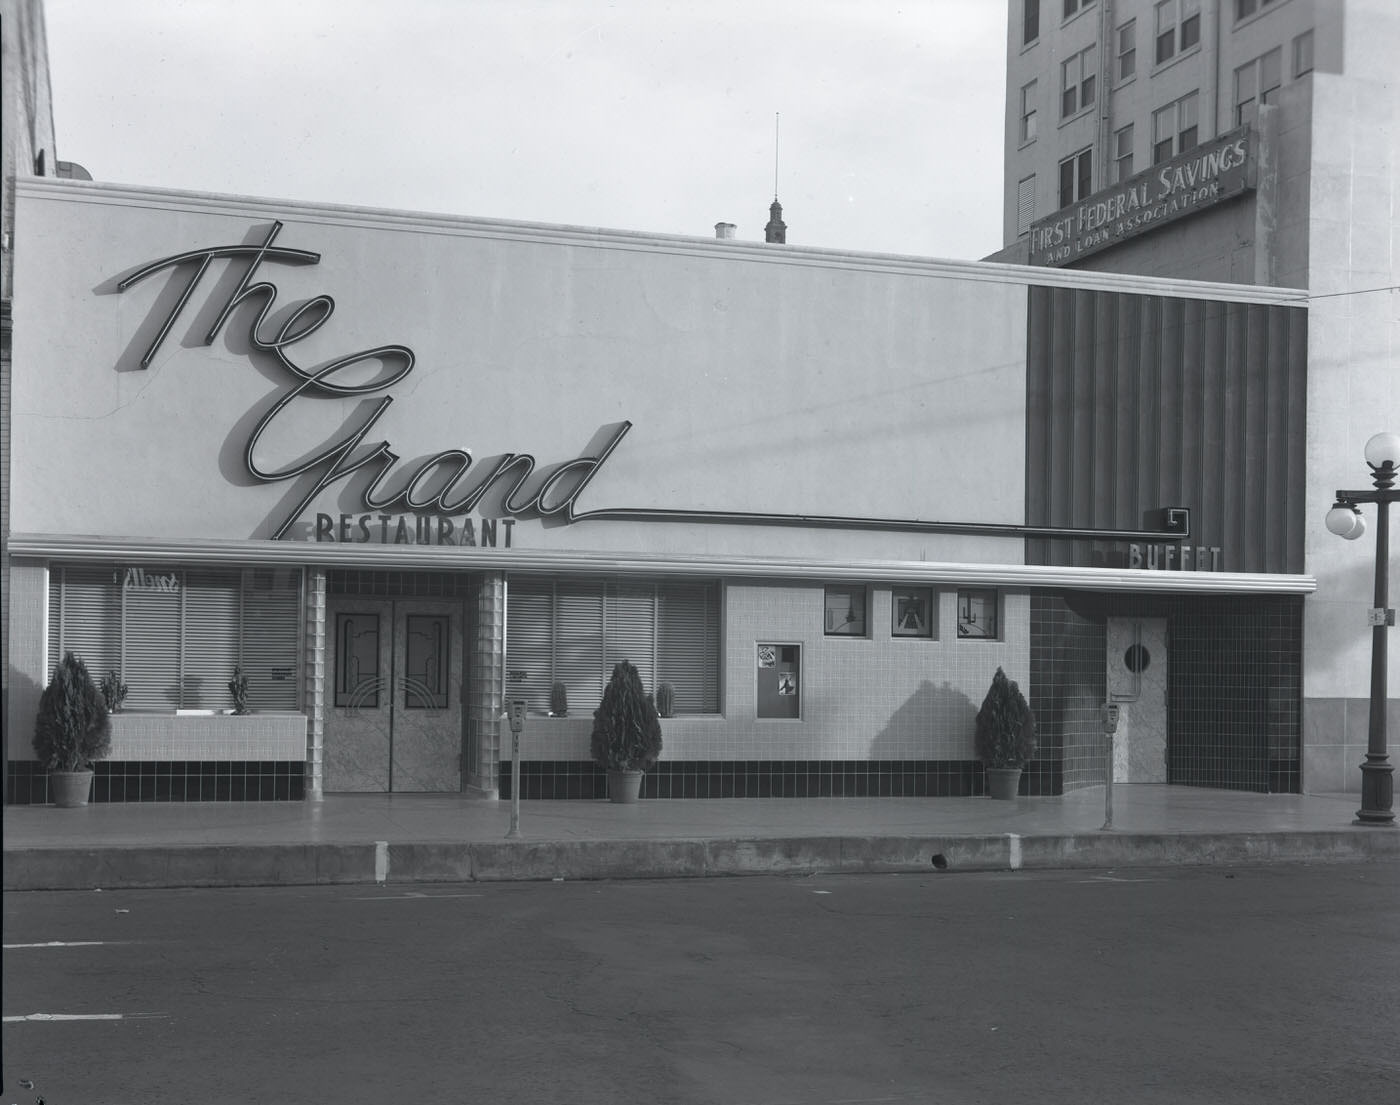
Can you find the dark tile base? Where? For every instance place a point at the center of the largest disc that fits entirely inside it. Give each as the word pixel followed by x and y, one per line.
pixel 27 783
pixel 565 779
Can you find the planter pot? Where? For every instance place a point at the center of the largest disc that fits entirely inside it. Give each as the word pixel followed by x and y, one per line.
pixel 70 788
pixel 624 786
pixel 1003 782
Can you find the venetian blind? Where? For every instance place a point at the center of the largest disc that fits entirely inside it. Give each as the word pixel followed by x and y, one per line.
pixel 174 635
pixel 575 631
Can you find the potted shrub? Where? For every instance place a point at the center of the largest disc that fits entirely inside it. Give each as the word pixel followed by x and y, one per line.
pixel 238 687
pixel 666 700
pixel 72 730
pixel 1005 737
pixel 626 736
pixel 113 692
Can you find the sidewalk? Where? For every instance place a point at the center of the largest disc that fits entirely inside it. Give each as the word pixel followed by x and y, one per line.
pixel 409 839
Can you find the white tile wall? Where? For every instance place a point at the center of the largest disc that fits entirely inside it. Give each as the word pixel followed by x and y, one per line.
pixel 880 697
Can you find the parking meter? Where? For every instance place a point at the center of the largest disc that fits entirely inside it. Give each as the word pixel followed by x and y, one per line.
pixel 1109 714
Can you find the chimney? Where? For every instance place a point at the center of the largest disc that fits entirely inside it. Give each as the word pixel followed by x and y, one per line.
pixel 724 230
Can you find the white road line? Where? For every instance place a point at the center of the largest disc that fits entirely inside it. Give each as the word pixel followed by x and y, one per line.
pixel 59 944
pixel 411 896
pixel 81 1017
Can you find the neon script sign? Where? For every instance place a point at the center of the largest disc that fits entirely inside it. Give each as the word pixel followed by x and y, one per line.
pixel 444 484
pixel 441 484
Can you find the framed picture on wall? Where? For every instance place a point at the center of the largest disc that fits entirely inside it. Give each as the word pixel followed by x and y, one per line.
pixel 911 612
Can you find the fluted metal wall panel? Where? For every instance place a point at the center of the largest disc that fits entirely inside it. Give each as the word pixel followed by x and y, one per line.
pixel 1138 402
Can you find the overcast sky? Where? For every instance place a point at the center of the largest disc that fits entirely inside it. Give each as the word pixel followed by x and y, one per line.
pixel 632 114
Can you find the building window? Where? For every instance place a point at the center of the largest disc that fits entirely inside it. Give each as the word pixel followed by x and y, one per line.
pixel 1174 128
pixel 1303 54
pixel 1127 49
pixel 1077 83
pixel 845 612
pixel 1246 8
pixel 1178 27
pixel 1076 176
pixel 574 631
pixel 1025 204
pixel 1030 22
pixel 1257 83
pixel 1123 154
pixel 912 613
pixel 1073 6
pixel 1028 112
pixel 977 615
pixel 174 635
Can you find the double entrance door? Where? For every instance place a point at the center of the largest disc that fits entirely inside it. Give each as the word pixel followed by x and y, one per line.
pixel 394 707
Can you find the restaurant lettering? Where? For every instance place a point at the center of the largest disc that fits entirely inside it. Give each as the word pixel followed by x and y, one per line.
pixel 443 484
pixel 413 529
pixel 1182 558
pixel 1201 177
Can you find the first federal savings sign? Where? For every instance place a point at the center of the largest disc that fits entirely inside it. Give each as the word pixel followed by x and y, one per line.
pixel 1199 178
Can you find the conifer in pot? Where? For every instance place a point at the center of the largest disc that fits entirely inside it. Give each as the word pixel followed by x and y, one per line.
pixel 626 737
pixel 1005 736
pixel 71 730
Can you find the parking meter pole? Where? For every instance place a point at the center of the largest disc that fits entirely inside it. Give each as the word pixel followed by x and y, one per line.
pixel 517 724
pixel 514 785
pixel 1109 716
pixel 1108 788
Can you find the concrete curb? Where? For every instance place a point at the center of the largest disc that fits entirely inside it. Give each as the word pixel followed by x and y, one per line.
pixel 149 867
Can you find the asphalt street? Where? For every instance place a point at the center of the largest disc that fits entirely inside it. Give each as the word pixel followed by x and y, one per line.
pixel 1238 985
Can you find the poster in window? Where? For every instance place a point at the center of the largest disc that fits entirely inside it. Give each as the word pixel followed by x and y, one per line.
pixel 977 615
pixel 845 611
pixel 787 683
pixel 767 656
pixel 911 610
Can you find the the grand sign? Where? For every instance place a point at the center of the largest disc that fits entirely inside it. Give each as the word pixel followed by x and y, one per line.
pixel 1199 178
pixel 442 484
pixel 415 502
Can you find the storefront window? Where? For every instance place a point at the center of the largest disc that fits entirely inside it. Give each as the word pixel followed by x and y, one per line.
pixel 174 635
pixel 574 631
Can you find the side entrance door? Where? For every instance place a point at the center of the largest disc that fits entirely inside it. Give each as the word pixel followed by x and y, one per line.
pixel 1137 681
pixel 394 707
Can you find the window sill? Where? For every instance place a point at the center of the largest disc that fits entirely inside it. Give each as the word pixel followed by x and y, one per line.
pixel 1162 66
pixel 1082 113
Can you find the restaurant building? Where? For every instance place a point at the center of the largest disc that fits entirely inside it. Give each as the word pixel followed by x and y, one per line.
pixel 402 469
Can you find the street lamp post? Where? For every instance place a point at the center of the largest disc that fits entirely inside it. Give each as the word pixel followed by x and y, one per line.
pixel 1345 520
